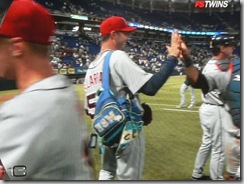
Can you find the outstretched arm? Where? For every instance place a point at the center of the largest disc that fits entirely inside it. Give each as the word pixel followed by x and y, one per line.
pixel 158 79
pixel 196 78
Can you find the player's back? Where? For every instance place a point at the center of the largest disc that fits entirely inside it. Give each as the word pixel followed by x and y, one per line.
pixel 46 132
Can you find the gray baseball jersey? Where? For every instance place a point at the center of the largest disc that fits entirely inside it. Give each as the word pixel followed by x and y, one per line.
pixel 43 133
pixel 124 74
pixel 218 74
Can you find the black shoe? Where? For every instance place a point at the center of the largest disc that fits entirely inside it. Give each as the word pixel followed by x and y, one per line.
pixel 202 178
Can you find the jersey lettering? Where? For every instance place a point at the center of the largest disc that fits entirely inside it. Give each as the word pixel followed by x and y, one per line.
pixel 91 101
pixel 94 79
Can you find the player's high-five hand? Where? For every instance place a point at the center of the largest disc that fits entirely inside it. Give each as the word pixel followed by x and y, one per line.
pixel 185 53
pixel 174 48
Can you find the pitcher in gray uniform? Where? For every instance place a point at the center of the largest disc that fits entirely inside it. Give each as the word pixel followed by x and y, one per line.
pixel 125 76
pixel 43 135
pixel 213 81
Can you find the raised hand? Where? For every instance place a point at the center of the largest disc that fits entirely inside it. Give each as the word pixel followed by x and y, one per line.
pixel 185 53
pixel 175 43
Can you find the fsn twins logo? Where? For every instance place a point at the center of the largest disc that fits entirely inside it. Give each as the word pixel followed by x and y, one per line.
pixel 211 4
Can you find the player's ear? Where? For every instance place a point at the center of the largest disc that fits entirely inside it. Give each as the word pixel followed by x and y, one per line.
pixel 222 48
pixel 17 46
pixel 112 34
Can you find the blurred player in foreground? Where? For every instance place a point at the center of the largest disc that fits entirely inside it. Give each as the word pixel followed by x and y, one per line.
pixel 43 135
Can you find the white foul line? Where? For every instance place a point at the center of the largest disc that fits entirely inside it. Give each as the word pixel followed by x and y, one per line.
pixel 180 110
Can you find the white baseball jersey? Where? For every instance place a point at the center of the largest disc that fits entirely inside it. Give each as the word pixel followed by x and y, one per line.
pixel 43 135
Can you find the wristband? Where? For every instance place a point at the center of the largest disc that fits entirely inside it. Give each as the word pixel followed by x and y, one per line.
pixel 171 57
pixel 188 62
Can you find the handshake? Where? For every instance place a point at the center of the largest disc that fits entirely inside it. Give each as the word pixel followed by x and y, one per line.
pixel 179 49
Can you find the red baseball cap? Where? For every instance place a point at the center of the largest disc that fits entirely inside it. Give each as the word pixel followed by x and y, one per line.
pixel 115 23
pixel 29 20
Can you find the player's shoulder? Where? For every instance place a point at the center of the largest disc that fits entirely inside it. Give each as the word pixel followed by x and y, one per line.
pixel 219 64
pixel 119 53
pixel 120 58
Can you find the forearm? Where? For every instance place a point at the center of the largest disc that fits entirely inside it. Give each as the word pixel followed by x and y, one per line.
pixel 158 79
pixel 196 78
pixel 192 74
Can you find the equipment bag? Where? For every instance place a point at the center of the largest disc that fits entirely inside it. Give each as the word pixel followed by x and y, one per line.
pixel 115 115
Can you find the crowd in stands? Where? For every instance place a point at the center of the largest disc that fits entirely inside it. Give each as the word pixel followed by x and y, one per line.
pixel 71 50
pixel 98 10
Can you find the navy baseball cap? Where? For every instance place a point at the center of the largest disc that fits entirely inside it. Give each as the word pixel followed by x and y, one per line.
pixel 222 40
pixel 28 20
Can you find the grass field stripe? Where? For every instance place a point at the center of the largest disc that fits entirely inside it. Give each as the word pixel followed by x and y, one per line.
pixel 179 110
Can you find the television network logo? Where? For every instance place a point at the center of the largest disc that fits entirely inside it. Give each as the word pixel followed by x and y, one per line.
pixel 211 4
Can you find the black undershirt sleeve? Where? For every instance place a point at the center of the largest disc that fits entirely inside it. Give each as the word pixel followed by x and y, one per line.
pixel 201 83
pixel 151 87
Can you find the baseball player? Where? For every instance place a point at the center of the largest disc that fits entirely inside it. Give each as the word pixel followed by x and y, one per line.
pixel 186 85
pixel 125 75
pixel 213 81
pixel 43 135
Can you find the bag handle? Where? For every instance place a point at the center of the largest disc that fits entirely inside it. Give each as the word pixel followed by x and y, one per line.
pixel 105 78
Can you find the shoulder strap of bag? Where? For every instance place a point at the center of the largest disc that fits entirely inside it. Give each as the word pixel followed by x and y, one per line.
pixel 105 79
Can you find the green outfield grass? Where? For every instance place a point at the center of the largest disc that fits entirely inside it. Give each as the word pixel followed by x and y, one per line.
pixel 173 137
